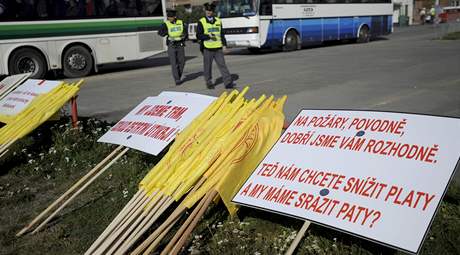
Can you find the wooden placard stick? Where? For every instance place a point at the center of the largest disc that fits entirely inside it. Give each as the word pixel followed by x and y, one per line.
pixel 137 211
pixel 145 225
pixel 170 220
pixel 209 197
pixel 151 201
pixel 120 219
pixel 134 200
pixel 148 222
pixel 10 89
pixel 163 227
pixel 4 147
pixel 4 153
pixel 132 217
pixel 163 234
pixel 183 227
pixel 139 223
pixel 298 237
pixel 72 189
pixel 42 225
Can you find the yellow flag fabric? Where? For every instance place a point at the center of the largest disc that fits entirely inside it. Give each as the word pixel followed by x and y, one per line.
pixel 40 109
pixel 190 150
pixel 218 150
pixel 221 149
pixel 257 143
pixel 255 135
pixel 179 150
pixel 213 146
pixel 9 118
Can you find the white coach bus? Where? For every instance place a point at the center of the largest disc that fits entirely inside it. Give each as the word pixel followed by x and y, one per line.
pixel 291 24
pixel 76 35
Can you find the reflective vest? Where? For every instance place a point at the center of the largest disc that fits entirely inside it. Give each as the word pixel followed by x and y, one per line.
pixel 214 29
pixel 175 31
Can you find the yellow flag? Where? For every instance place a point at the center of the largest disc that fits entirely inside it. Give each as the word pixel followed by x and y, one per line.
pixel 221 150
pixel 191 148
pixel 256 145
pixel 238 145
pixel 180 149
pixel 40 109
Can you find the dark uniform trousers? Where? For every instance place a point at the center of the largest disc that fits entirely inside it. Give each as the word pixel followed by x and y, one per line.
pixel 176 55
pixel 218 55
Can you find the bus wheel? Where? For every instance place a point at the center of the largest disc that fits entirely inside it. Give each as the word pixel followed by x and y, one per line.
pixel 28 60
pixel 291 42
pixel 363 35
pixel 77 62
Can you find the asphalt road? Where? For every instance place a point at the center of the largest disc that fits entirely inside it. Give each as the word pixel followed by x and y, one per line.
pixel 406 71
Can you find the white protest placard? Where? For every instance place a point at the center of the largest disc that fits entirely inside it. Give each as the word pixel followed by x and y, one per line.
pixel 11 82
pixel 378 175
pixel 155 122
pixel 22 96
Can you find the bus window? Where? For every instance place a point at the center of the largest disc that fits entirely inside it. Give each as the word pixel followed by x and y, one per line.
pixel 266 7
pixel 30 10
pixel 236 8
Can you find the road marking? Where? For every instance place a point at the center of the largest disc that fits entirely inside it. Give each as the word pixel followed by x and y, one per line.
pixel 397 97
pixel 264 81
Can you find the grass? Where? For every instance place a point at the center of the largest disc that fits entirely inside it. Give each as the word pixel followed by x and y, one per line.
pixel 452 36
pixel 43 166
pixel 46 163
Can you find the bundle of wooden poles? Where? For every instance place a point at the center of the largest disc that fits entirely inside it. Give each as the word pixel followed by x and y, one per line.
pixel 212 157
pixel 40 109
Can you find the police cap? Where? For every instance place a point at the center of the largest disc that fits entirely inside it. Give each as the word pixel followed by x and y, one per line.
pixel 171 13
pixel 209 6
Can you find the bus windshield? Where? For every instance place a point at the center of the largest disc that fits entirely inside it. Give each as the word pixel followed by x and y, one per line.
pixel 236 8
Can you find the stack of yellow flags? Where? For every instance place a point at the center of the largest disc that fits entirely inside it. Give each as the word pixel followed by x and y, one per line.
pixel 217 151
pixel 38 111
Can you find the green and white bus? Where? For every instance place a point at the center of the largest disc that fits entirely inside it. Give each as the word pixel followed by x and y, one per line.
pixel 76 36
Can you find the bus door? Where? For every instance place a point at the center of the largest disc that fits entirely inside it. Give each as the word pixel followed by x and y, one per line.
pixel 330 29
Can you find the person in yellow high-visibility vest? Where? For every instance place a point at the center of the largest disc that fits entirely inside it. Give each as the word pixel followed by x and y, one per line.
pixel 209 31
pixel 433 14
pixel 174 30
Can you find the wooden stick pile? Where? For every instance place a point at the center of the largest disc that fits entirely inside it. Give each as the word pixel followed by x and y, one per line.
pixel 211 157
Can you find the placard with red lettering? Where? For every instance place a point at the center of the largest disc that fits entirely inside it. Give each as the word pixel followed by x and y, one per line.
pixel 155 122
pixel 11 82
pixel 22 96
pixel 378 175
